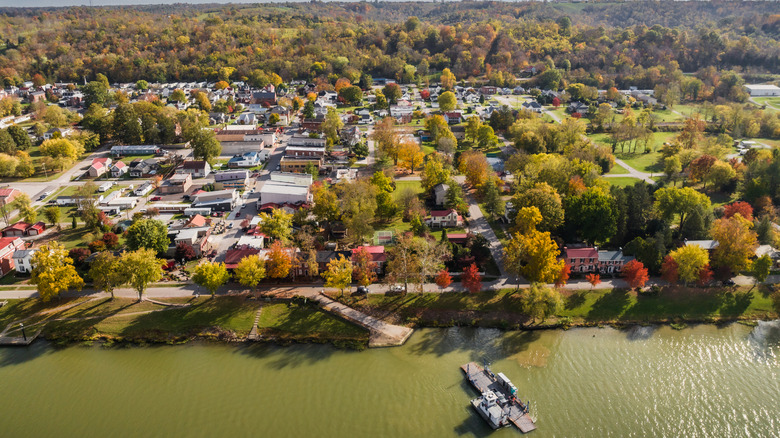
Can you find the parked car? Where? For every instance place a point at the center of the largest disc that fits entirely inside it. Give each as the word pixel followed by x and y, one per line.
pixel 155 198
pixel 396 288
pixel 361 290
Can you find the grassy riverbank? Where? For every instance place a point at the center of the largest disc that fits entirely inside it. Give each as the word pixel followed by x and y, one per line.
pixel 588 307
pixel 222 318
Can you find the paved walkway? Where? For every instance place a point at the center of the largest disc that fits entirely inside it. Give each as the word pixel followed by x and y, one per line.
pixel 478 224
pixel 631 172
pixel 382 334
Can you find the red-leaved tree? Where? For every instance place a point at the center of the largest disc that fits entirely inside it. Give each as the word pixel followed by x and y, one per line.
pixel 635 274
pixel 363 266
pixel 443 279
pixel 470 279
pixel 741 207
pixel 425 94
pixel 593 279
pixel 563 276
pixel 705 276
pixel 669 270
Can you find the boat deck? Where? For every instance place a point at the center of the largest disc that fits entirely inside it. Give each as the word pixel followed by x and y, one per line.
pixel 482 381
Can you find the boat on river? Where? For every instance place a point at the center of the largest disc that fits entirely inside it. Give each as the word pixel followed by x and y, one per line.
pixel 498 404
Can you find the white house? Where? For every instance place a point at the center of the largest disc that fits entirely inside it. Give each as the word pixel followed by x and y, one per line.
pixel 444 218
pixel 22 258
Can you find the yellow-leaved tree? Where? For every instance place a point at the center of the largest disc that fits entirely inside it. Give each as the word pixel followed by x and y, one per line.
pixel 53 271
pixel 141 267
pixel 339 273
pixel 211 275
pixel 250 270
pixel 737 243
pixel 690 259
pixel 531 253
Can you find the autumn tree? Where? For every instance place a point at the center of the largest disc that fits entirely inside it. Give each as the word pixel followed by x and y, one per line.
pixel 332 125
pixel 447 101
pixel 392 92
pixel 447 79
pixel 635 274
pixel 357 204
pixel 250 270
pixel 141 268
pixel 475 167
pixel 53 215
pixel 670 270
pixel 279 261
pixel 184 252
pixel 470 279
pixel 531 253
pixel 436 171
pixel 545 198
pixel 743 208
pixel 593 279
pixel 410 155
pixel 539 301
pixel 210 275
pixel 443 279
pixel 339 273
pixel 23 204
pixel 737 243
pixel 403 262
pixel 671 201
pixel 53 271
pixel 277 225
pixel 106 272
pixel 690 260
pixel 387 139
pixel 364 268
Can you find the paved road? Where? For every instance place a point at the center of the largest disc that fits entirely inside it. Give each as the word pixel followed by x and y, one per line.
pixel 478 224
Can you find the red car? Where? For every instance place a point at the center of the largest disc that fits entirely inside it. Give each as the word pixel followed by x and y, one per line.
pixel 238 214
pixel 155 198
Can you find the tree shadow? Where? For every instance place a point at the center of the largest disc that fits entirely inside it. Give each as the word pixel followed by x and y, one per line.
pixel 18 355
pixel 483 345
pixel 735 304
pixel 610 306
pixel 576 299
pixel 640 332
pixel 291 356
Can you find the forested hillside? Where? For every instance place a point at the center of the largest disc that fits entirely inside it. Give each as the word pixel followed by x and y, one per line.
pixel 598 44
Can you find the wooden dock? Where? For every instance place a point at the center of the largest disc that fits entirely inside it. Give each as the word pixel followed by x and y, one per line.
pixel 19 341
pixel 482 381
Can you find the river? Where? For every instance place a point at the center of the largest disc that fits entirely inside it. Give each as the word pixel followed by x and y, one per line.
pixel 704 381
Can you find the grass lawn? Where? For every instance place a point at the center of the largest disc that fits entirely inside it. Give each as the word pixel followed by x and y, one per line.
pixel 504 308
pixel 773 101
pixel 622 181
pixel 617 169
pixel 401 186
pixel 291 321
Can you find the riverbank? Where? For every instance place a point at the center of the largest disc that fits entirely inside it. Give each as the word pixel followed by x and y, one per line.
pixel 230 319
pixel 178 320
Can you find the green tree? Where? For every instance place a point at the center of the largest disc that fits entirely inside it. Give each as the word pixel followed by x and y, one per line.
pixel 53 214
pixel 339 273
pixel 352 95
pixel 205 145
pixel 141 85
pixel 308 110
pixel 494 205
pixel 392 92
pixel 53 271
pixel 20 137
pixel 250 271
pixel 473 124
pixel 539 301
pixel 435 172
pixel 210 275
pixel 95 92
pixel 357 204
pixel 277 225
pixel 332 125
pixel 106 272
pixel 7 144
pixel 592 215
pixel 760 268
pixel 544 197
pixel 177 96
pixel 149 234
pixel 447 101
pixel 486 137
pixel 681 201
pixel 141 267
pixel 127 128
pixel 690 259
pixel 23 204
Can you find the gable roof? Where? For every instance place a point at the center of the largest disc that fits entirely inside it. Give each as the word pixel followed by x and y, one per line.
pixel 582 253
pixel 194 165
pixel 442 213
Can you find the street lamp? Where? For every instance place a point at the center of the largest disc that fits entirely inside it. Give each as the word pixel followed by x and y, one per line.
pixel 23 333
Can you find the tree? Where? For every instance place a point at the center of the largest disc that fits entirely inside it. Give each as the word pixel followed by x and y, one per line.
pixel 760 268
pixel 7 144
pixel 387 138
pixel 486 137
pixel 141 267
pixel 20 137
pixel 672 166
pixel 443 279
pixel 670 270
pixel 531 253
pixel 635 274
pixel 563 275
pixel 721 174
pixel 690 259
pixel 447 79
pixel 357 204
pixel 682 201
pixel 352 95
pixel 339 273
pixel 697 170
pixel 95 92
pixel 737 243
pixel 177 96
pixel 592 215
pixel 184 252
pixel 410 155
pixel 148 234
pixel 474 165
pixel 364 268
pixel 539 301
pixel 743 208
pixel 470 279
pixel 110 239
pixel 473 124
pixel 62 148
pixel 53 271
pixel 211 275
pixel 126 127
pixel 392 92
pixel 53 215
pixel 545 198
pixel 277 225
pixel 141 85
pixel 402 261
pixel 494 205
pixel 106 272
pixel 279 261
pixel 447 101
pixel 332 125
pixel 205 145
pixel 250 270
pixel 23 204
pixel 593 279
pixel 435 172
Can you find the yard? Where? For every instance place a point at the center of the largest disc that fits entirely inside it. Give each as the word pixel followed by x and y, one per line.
pixel 292 321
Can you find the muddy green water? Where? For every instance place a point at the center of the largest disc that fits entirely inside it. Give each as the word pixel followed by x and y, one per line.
pixel 704 381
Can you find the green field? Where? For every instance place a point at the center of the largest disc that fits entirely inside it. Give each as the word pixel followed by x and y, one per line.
pixel 291 321
pixel 617 169
pixel 622 181
pixel 401 186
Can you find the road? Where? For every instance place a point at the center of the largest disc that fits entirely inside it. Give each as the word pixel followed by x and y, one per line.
pixel 631 172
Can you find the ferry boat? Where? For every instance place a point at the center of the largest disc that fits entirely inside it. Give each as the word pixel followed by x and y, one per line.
pixel 499 404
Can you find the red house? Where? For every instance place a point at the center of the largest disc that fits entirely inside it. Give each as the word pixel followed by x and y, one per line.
pixel 7 247
pixel 377 254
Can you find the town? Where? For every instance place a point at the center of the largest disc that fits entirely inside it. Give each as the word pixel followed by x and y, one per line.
pixel 531 192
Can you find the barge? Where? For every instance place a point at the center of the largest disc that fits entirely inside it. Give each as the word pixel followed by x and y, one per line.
pixel 499 404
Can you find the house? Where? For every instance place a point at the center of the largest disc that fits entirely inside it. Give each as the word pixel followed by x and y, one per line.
pixel 178 183
pixel 118 169
pixel 22 260
pixel 265 98
pixel 591 260
pixel 305 140
pixel 377 254
pixel 220 200
pixel 298 164
pixel 197 221
pixel 236 179
pixel 324 257
pixel 533 106
pixel 444 218
pixel 488 90
pixel 197 238
pixel 143 149
pixel 304 151
pixel 143 189
pixel 8 245
pixel 234 256
pixel 7 195
pixel 577 107
pixel 247 119
pixel 198 169
pixel 458 238
pixel 99 167
pixel 256 241
pixel 440 194
pixel 709 245
pixel 141 168
pixel 247 159
pixel 23 229
pixel 278 192
pixel 773 254
pixel 452 117
pixel 56 133
pixel 763 90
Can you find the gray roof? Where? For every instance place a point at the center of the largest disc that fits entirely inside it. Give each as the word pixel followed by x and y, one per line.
pixel 23 253
pixel 606 256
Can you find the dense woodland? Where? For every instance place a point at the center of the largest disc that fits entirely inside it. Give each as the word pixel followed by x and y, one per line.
pixel 642 44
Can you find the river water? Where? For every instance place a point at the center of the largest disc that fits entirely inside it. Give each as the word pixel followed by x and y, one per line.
pixel 704 381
